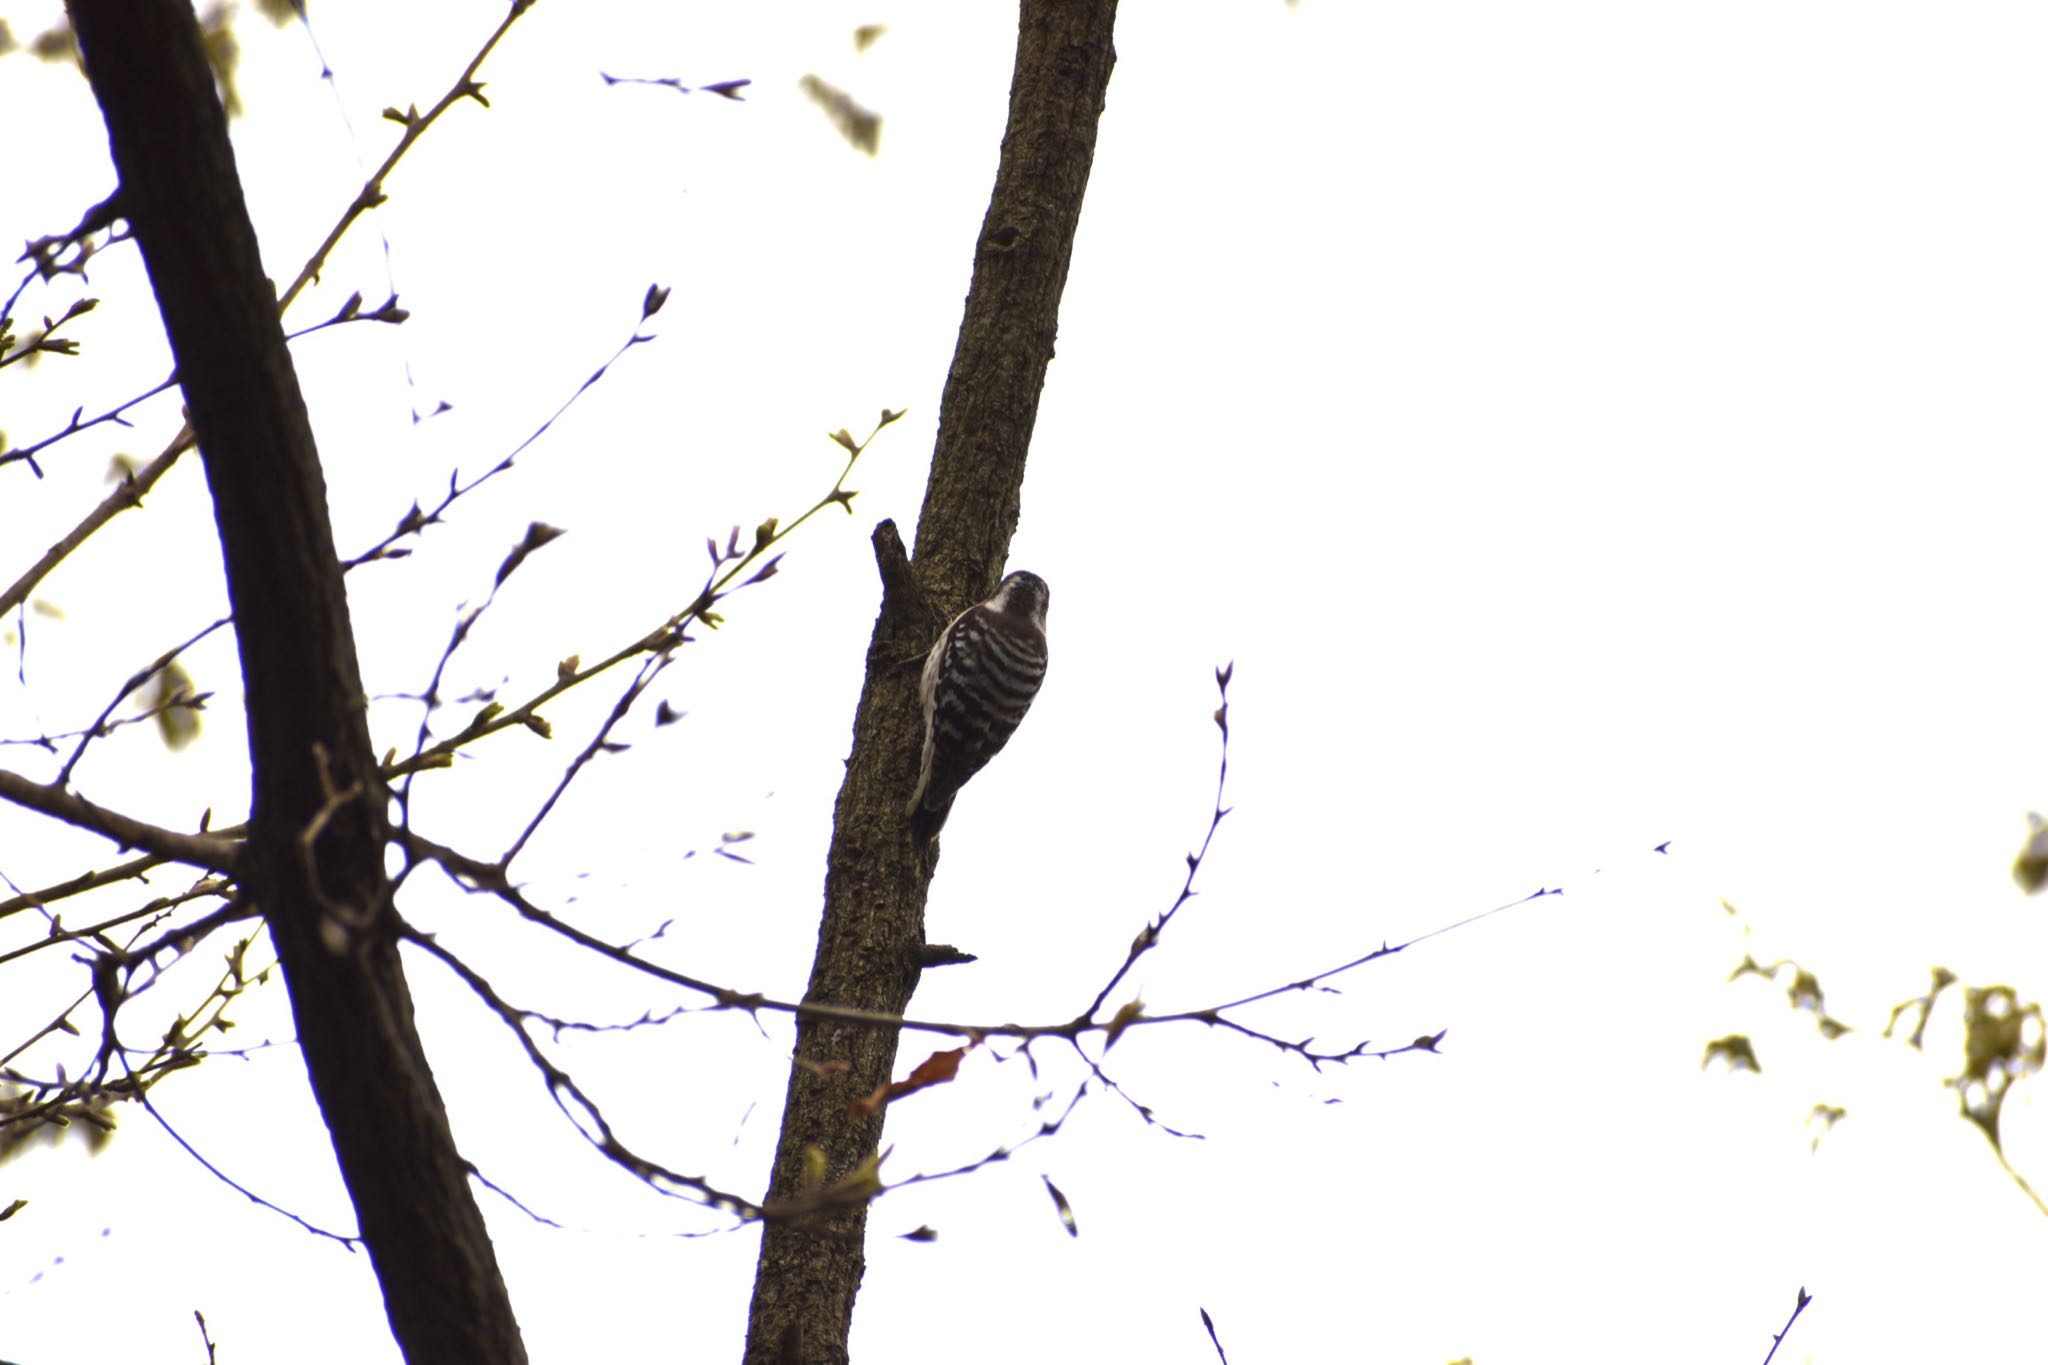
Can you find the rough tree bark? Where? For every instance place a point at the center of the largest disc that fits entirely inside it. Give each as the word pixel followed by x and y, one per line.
pixel 314 859
pixel 875 882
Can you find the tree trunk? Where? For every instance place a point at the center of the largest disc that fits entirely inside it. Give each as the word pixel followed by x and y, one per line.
pixel 314 861
pixel 875 881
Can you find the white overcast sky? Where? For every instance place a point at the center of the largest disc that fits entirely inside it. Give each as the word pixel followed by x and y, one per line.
pixel 1585 425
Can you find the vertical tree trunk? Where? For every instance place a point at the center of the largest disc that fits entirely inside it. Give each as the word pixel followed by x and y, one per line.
pixel 875 882
pixel 314 861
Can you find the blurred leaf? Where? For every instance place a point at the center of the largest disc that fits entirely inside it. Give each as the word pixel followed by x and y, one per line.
pixel 2003 1042
pixel 1735 1050
pixel 177 704
pixel 1921 1006
pixel 863 1181
pixel 937 1069
pixel 1804 992
pixel 862 128
pixel 55 44
pixel 223 53
pixel 1059 1201
pixel 2030 869
pixel 1126 1014
pixel 1823 1120
pixel 92 1124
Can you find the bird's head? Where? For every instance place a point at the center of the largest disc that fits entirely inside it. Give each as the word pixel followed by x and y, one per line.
pixel 1022 594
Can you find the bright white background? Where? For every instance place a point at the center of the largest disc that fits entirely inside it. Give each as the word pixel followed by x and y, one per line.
pixel 1585 425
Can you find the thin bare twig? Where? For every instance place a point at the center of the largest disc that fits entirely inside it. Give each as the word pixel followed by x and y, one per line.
pixel 599 742
pixel 732 90
pixel 728 564
pixel 130 492
pixel 495 1188
pixel 417 520
pixel 61 1024
pixel 208 886
pixel 181 701
pixel 1384 950
pixel 128 495
pixel 1143 1111
pixel 87 881
pixel 562 1088
pixel 46 253
pixel 720 585
pixel 466 86
pixel 105 213
pixel 1148 937
pixel 477 875
pixel 352 1243
pixel 1786 1331
pixel 74 426
pixel 865 1184
pixel 136 681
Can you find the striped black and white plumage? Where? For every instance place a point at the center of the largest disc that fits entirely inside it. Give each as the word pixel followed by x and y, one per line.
pixel 978 682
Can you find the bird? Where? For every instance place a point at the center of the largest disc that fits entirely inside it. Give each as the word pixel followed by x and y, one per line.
pixel 979 680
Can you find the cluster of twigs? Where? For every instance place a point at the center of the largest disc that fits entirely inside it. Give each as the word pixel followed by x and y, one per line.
pixel 127 954
pixel 117 965
pixel 122 971
pixel 1090 1034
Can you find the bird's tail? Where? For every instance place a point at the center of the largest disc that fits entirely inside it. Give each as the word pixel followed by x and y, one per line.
pixel 927 817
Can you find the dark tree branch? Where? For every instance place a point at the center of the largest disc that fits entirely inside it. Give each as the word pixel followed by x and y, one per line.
pixel 207 851
pixel 990 404
pixel 312 861
pixel 871 938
